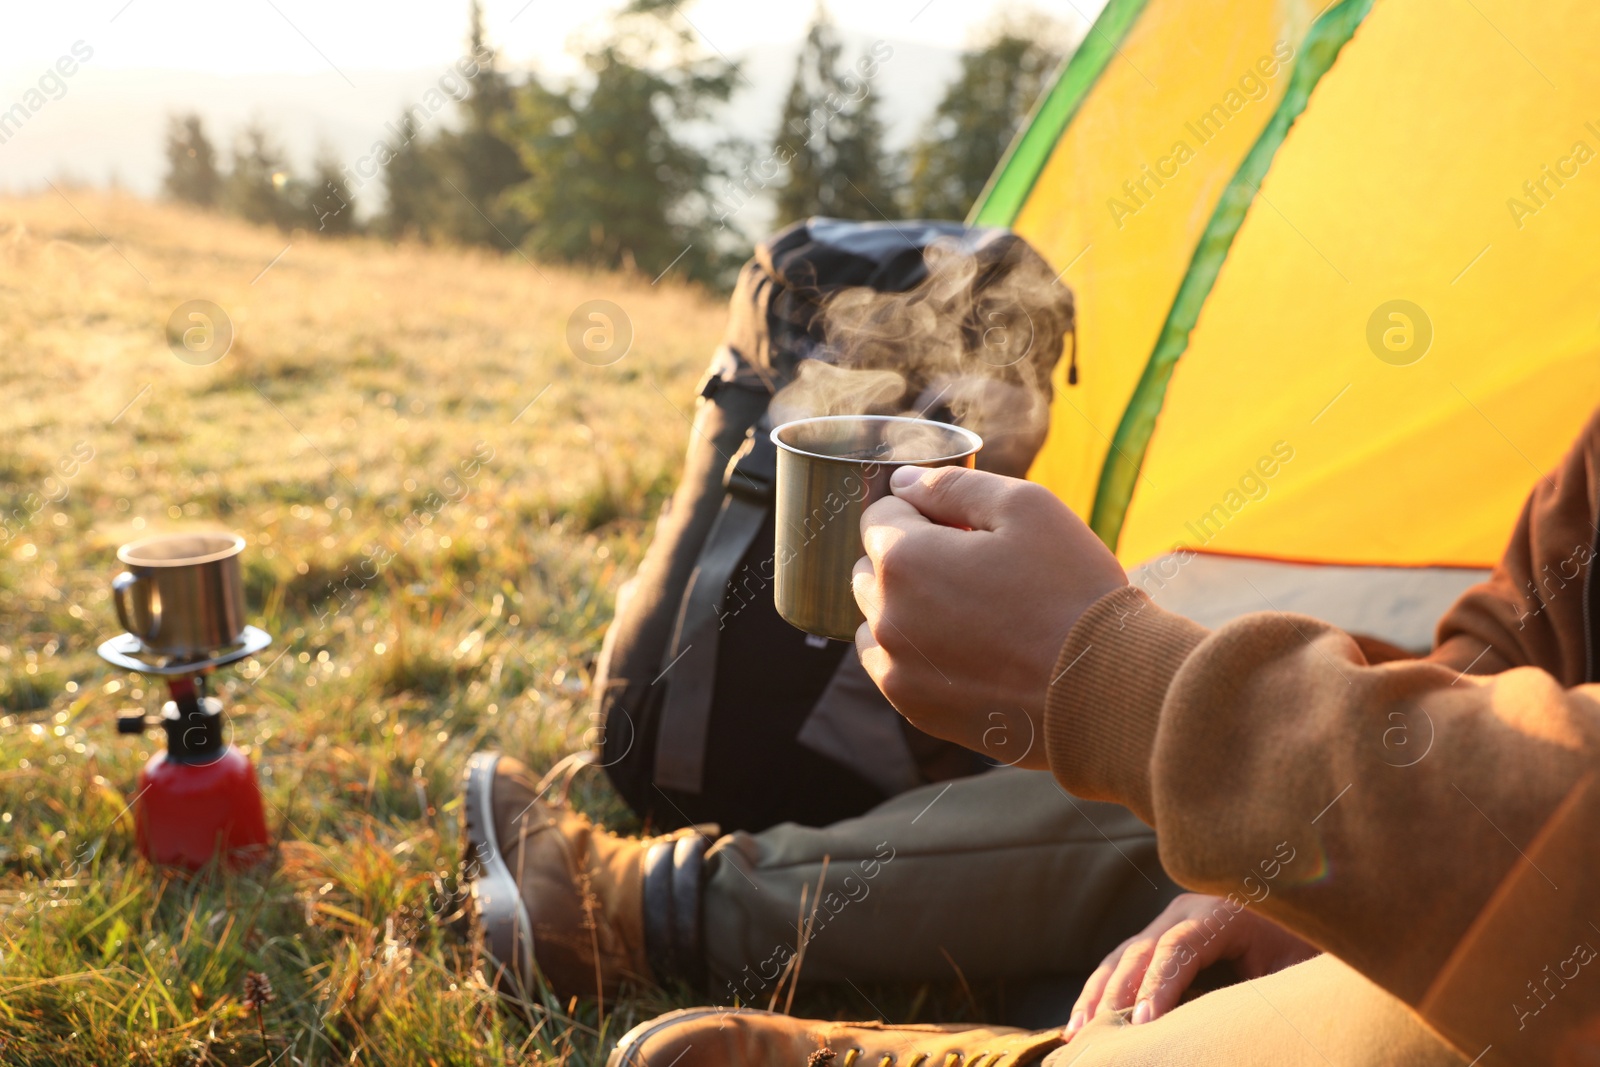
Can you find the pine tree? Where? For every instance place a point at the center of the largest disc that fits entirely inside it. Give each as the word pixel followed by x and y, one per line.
pixel 451 184
pixel 860 159
pixel 330 199
pixel 804 145
pixel 260 187
pixel 978 116
pixel 830 135
pixel 612 180
pixel 477 160
pixel 191 162
pixel 411 187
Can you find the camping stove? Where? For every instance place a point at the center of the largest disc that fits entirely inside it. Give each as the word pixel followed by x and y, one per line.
pixel 200 796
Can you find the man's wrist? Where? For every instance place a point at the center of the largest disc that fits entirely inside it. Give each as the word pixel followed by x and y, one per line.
pixel 1103 705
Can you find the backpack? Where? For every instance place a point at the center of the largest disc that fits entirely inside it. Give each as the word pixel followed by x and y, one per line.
pixel 711 708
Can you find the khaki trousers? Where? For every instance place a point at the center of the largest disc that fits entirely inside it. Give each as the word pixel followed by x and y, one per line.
pixel 1001 875
pixel 1311 1015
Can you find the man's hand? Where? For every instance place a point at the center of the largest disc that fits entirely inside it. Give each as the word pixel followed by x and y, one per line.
pixel 970 584
pixel 1152 969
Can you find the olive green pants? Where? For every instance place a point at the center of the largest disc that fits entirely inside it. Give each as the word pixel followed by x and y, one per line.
pixel 1002 875
pixel 1005 876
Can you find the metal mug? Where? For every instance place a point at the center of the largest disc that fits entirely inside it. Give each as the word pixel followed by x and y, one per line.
pixel 830 469
pixel 182 595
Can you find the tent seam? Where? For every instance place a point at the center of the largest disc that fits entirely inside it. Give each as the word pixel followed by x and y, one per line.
pixel 1007 190
pixel 1125 458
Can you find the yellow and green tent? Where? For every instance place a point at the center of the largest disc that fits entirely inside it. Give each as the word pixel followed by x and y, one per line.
pixel 1336 266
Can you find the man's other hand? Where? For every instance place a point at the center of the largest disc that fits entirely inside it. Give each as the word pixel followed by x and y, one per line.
pixel 970 585
pixel 1151 970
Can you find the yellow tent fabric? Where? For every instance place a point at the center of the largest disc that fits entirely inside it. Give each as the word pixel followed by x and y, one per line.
pixel 1358 319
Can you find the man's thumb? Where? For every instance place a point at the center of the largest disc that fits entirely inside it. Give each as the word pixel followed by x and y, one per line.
pixel 951 496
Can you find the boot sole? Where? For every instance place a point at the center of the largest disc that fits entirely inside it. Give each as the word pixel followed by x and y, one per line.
pixel 627 1053
pixel 500 911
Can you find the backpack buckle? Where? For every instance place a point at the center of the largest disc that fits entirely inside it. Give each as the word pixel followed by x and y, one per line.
pixel 753 472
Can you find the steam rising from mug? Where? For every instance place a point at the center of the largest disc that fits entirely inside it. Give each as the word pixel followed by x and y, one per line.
pixel 970 344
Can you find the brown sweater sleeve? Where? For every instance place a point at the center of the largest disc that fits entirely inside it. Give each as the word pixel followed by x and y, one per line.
pixel 1433 828
pixel 1530 612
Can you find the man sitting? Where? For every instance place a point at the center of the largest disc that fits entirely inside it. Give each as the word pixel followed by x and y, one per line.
pixel 1454 897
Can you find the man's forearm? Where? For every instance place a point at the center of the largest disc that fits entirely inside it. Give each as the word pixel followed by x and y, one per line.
pixel 1375 810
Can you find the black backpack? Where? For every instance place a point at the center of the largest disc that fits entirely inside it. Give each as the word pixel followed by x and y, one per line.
pixel 711 707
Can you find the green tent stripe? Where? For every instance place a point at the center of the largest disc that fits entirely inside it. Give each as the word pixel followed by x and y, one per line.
pixel 1013 179
pixel 1120 473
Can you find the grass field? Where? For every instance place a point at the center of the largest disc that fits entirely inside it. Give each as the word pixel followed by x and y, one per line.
pixel 364 383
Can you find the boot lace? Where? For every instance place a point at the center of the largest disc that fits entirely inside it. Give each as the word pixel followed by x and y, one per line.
pixel 565 771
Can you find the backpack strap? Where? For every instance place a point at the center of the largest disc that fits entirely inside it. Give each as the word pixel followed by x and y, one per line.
pixel 853 724
pixel 691 655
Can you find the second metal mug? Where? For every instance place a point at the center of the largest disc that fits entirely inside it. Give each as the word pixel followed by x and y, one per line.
pixel 829 470
pixel 182 595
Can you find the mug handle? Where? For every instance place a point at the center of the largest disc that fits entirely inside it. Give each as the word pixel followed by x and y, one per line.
pixel 120 585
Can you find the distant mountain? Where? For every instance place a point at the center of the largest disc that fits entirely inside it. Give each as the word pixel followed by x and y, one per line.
pixel 109 127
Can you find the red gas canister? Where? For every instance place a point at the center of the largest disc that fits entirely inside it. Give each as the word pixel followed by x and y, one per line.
pixel 200 795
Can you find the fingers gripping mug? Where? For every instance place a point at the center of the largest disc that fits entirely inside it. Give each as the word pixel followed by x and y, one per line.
pixel 830 469
pixel 182 595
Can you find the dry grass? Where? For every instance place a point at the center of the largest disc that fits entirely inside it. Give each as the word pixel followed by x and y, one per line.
pixel 361 378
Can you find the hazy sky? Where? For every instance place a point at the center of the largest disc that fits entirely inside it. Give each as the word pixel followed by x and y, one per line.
pixel 308 36
pixel 325 76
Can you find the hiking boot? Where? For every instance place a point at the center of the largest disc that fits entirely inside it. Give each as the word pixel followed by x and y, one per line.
pixel 557 896
pixel 726 1037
